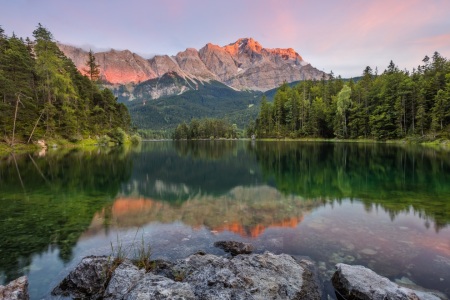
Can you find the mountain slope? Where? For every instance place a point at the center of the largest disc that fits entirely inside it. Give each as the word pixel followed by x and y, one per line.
pixel 209 100
pixel 244 64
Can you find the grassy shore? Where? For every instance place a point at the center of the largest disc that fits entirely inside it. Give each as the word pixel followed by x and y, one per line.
pixel 55 143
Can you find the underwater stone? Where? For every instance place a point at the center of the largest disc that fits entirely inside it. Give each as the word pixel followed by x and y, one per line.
pixel 368 251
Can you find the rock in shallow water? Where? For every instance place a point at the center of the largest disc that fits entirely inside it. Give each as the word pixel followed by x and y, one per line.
pixel 235 248
pixel 15 290
pixel 88 280
pixel 360 283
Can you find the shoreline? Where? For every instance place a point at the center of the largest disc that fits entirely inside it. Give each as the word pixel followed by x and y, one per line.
pixel 62 144
pixel 5 149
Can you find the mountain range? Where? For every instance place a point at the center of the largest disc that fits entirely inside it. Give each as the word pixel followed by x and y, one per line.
pixel 244 64
pixel 215 81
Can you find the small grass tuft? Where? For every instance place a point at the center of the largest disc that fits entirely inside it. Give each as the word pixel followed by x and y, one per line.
pixel 142 256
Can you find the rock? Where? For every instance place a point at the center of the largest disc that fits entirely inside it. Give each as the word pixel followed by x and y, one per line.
pixel 234 247
pixel 368 251
pixel 15 290
pixel 200 276
pixel 88 280
pixel 42 144
pixel 255 276
pixel 123 279
pixel 358 282
pixel 159 287
pixel 244 64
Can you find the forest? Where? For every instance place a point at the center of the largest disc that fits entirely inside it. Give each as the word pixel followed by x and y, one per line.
pixel 206 128
pixel 43 95
pixel 396 104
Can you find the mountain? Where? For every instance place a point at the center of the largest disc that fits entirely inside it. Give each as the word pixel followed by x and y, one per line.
pixel 242 65
pixel 219 82
pixel 188 100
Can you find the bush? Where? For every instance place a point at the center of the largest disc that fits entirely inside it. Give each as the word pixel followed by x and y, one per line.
pixel 118 135
pixel 104 140
pixel 136 139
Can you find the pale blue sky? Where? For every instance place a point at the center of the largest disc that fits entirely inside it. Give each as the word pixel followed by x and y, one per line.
pixel 339 35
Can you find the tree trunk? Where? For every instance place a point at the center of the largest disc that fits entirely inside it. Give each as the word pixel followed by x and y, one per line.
pixel 15 117
pixel 35 125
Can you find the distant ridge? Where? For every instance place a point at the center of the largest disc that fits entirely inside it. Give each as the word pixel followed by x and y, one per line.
pixel 242 65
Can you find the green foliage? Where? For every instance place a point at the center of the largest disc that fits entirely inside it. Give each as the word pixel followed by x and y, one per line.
pixel 393 105
pixel 92 68
pixel 206 129
pixel 135 139
pixel 52 98
pixel 150 134
pixel 118 135
pixel 210 100
pixel 343 103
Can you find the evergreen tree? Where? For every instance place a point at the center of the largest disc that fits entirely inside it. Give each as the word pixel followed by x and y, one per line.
pixel 92 68
pixel 42 94
pixel 392 105
pixel 343 103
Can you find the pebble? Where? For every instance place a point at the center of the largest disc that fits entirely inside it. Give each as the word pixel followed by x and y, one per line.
pixel 368 251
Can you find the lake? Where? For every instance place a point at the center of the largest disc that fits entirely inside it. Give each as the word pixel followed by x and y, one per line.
pixel 383 206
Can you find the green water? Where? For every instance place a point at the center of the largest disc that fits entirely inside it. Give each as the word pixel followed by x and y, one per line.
pixel 382 206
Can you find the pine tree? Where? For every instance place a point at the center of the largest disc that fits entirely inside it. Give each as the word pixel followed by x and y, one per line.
pixel 92 68
pixel 440 110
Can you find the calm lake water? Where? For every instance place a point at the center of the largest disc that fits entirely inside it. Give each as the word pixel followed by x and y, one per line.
pixel 382 206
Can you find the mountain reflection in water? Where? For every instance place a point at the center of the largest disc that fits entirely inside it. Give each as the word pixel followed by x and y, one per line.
pixel 245 211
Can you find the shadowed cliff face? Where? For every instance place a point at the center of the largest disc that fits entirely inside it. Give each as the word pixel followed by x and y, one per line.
pixel 244 64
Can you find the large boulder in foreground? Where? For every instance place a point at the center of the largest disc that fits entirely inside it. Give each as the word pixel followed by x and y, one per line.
pixel 200 276
pixel 255 276
pixel 360 283
pixel 15 290
pixel 88 280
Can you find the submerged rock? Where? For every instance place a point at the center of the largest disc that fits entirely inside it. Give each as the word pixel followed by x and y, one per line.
pixel 360 283
pixel 235 248
pixel 15 290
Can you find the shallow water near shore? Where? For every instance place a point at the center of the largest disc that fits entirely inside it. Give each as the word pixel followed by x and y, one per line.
pixel 382 206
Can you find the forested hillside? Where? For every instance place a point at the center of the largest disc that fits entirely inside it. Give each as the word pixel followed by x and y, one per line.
pixel 210 100
pixel 392 105
pixel 43 95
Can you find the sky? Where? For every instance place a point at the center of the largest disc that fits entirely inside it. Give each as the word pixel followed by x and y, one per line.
pixel 343 36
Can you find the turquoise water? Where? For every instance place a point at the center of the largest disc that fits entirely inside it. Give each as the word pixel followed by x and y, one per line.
pixel 381 206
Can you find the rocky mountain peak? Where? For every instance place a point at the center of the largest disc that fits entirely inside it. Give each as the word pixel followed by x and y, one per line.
pixel 243 45
pixel 244 64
